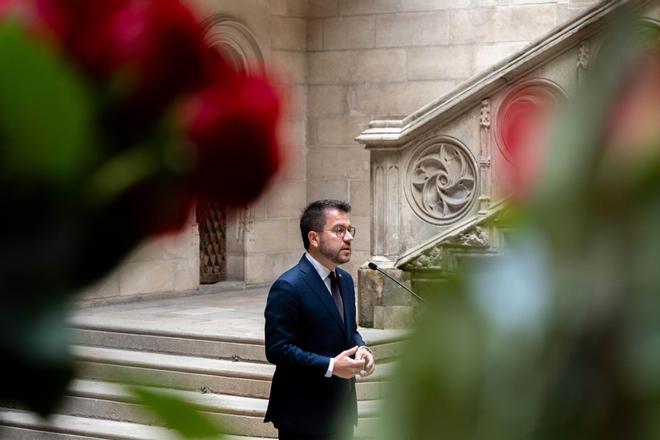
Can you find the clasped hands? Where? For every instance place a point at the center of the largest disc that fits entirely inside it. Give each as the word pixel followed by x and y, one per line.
pixel 347 367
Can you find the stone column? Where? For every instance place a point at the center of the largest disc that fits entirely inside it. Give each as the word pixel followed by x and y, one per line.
pixel 484 156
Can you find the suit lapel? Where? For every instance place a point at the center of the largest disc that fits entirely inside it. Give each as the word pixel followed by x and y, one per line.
pixel 319 289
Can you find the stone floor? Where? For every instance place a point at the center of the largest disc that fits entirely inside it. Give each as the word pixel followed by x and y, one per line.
pixel 224 314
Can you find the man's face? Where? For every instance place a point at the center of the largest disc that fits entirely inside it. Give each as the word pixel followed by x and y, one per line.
pixel 332 245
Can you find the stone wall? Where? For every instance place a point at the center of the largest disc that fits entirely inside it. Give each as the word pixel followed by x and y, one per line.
pixel 273 242
pixel 162 265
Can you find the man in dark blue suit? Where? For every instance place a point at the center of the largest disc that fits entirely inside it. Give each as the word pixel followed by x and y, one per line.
pixel 311 332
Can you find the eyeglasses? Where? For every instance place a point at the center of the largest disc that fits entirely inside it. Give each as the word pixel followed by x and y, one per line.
pixel 340 231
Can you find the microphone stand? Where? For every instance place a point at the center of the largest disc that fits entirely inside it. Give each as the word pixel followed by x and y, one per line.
pixel 375 267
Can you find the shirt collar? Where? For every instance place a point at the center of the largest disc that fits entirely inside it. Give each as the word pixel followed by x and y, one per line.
pixel 320 268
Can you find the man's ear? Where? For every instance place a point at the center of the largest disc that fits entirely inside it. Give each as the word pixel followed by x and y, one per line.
pixel 313 238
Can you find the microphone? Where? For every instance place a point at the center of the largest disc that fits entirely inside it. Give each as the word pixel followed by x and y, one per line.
pixel 373 266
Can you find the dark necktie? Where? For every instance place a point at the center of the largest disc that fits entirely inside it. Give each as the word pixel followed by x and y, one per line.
pixel 336 295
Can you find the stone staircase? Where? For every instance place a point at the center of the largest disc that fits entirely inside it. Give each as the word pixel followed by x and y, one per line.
pixel 225 376
pixel 384 304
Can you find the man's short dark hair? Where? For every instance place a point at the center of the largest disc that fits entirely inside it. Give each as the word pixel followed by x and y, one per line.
pixel 313 217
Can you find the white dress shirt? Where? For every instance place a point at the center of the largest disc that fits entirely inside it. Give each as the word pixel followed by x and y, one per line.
pixel 324 273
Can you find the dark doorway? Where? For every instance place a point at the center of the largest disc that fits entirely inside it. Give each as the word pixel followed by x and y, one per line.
pixel 211 220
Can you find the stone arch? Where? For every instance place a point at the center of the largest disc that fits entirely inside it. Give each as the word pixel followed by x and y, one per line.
pixel 522 99
pixel 235 40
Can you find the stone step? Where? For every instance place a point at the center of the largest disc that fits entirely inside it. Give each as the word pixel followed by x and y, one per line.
pixel 226 348
pixel 72 427
pixel 384 344
pixel 218 376
pixel 94 399
pixel 237 415
pixel 21 425
pixel 172 371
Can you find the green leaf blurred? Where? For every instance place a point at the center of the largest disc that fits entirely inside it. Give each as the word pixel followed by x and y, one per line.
pixel 177 414
pixel 45 113
pixel 36 354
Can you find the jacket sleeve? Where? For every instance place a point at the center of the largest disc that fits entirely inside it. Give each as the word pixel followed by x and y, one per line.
pixel 282 330
pixel 356 337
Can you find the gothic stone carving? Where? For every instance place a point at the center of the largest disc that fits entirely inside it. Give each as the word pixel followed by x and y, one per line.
pixel 584 51
pixel 442 180
pixel 429 259
pixel 484 114
pixel 583 55
pixel 236 41
pixel 475 237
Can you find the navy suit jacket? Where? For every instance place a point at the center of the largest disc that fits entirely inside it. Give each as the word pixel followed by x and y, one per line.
pixel 303 331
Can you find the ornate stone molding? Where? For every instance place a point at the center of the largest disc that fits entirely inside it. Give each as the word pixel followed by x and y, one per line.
pixel 583 58
pixel 484 155
pixel 584 51
pixel 429 259
pixel 476 237
pixel 435 257
pixel 235 40
pixel 442 180
pixel 484 113
pixel 469 234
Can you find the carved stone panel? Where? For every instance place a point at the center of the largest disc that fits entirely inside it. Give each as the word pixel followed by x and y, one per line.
pixel 475 237
pixel 430 259
pixel 441 180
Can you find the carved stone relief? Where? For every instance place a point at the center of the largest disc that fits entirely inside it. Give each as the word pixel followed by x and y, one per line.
pixel 583 58
pixel 484 114
pixel 583 54
pixel 475 237
pixel 441 180
pixel 484 155
pixel 429 259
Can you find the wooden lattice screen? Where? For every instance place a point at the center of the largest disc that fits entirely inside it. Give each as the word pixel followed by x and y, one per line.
pixel 211 220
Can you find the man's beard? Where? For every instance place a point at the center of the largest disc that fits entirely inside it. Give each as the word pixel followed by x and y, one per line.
pixel 335 257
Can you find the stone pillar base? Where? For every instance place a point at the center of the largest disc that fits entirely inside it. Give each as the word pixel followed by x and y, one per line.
pixel 381 302
pixel 393 316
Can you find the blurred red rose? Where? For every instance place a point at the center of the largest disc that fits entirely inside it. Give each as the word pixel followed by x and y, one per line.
pixel 233 128
pixel 523 134
pixel 151 56
pixel 217 69
pixel 152 49
pixel 158 46
pixel 80 28
pixel 158 209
